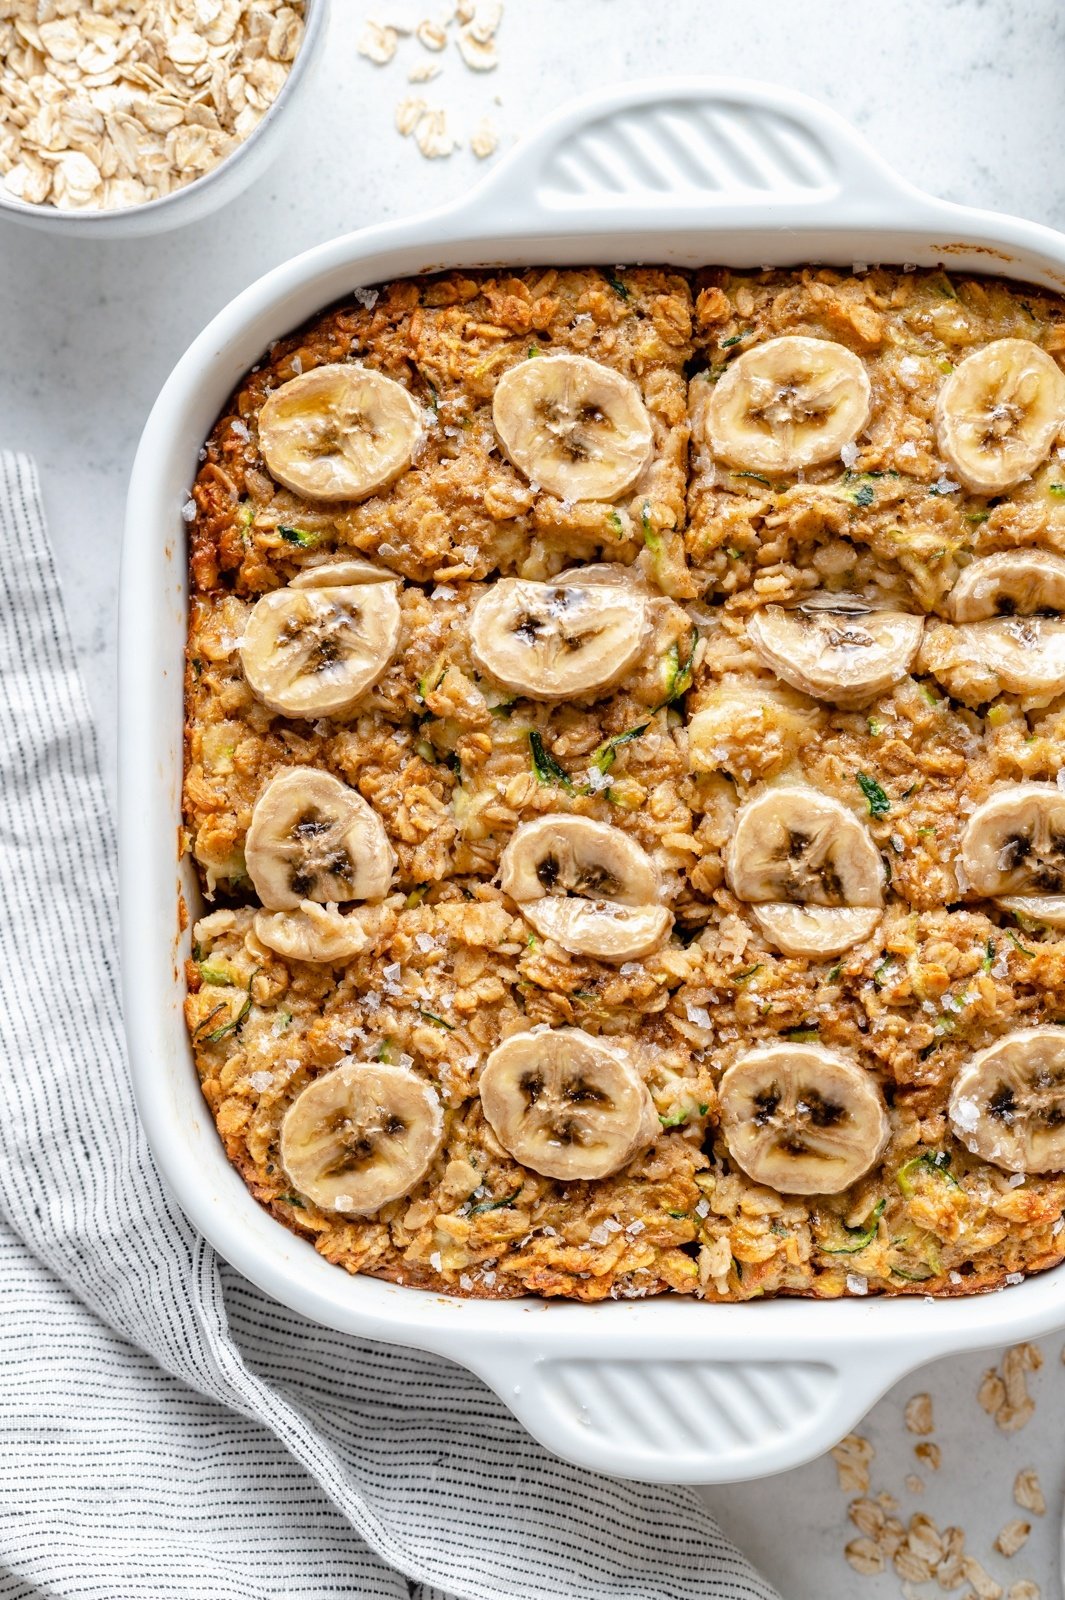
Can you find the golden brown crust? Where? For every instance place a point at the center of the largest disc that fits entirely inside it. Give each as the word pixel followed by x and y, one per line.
pixel 445 758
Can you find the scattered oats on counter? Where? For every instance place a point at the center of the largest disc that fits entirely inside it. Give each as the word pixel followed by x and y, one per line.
pixel 484 140
pixel 115 106
pixel 377 43
pixel 475 41
pixel 853 1456
pixel 1004 1395
pixel 1012 1537
pixel 922 1553
pixel 918 1414
pixel 1028 1492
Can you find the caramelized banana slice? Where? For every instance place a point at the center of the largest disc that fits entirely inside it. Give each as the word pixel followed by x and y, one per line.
pixel 976 661
pixel 313 838
pixel 800 930
pixel 341 575
pixel 600 928
pixel 339 432
pixel 802 1120
pixel 312 933
pixel 563 854
pixel 1012 583
pixel 1014 844
pixel 586 885
pixel 835 647
pixel 795 844
pixel 551 641
pixel 361 1136
pixel 999 413
pixel 574 427
pixel 1008 1104
pixel 786 404
pixel 566 1104
pixel 313 651
pixel 1049 909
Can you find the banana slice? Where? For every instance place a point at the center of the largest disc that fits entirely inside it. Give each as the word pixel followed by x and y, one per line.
pixel 836 647
pixel 578 429
pixel 1012 583
pixel 361 1136
pixel 1008 1104
pixel 552 640
pixel 340 432
pixel 311 933
pixel 566 1104
pixel 587 886
pixel 313 652
pixel 789 403
pixel 815 930
pixel 999 413
pixel 313 838
pixel 341 574
pixel 976 661
pixel 794 844
pixel 801 1120
pixel 563 854
pixel 600 928
pixel 1048 909
pixel 1014 844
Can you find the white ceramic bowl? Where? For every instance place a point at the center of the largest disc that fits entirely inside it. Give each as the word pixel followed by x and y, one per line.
pixel 687 171
pixel 204 195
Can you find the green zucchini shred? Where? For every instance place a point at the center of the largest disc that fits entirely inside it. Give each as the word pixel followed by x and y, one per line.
pixel 861 1236
pixel 545 766
pixel 937 1161
pixel 879 804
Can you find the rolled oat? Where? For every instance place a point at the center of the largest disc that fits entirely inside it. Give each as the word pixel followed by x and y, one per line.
pixel 918 1414
pixel 1028 1491
pixel 1012 1537
pixel 852 1457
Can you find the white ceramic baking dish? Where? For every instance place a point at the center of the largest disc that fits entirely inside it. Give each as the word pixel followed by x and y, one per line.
pixel 687 171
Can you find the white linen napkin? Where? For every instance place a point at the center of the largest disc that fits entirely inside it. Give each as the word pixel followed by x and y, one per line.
pixel 165 1427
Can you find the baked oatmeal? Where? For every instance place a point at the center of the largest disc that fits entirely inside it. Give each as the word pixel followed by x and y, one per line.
pixel 625 719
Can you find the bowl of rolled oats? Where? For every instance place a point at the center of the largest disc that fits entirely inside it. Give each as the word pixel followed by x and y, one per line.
pixel 126 117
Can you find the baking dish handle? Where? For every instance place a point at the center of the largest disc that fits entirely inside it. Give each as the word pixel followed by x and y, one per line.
pixel 697 145
pixel 718 1416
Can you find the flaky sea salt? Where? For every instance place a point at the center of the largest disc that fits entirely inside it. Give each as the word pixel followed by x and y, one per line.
pixel 849 454
pixel 702 1208
pixel 188 510
pixel 261 1081
pixel 366 297
pixel 856 1284
pixel 424 941
pixel 239 428
pixel 434 1261
pixel 698 1014
pixel 443 591
pixel 391 973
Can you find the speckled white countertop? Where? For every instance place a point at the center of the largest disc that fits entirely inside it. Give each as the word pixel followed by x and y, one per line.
pixel 964 96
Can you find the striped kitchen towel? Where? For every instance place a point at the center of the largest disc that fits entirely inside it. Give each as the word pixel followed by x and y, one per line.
pixel 165 1428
